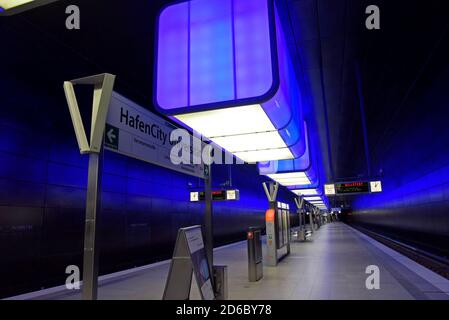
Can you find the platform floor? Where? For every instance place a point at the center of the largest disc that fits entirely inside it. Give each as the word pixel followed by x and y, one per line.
pixel 331 266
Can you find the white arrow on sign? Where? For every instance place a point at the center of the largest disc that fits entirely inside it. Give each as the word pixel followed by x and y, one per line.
pixel 111 136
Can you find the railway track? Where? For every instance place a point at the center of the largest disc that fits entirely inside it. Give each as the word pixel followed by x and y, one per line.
pixel 435 263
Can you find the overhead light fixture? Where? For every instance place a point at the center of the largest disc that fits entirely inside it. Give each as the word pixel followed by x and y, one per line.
pixel 291 173
pixel 306 192
pixel 313 199
pixel 10 7
pixel 290 179
pixel 223 69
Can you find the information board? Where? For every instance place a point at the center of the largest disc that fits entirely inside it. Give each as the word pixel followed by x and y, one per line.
pixel 199 261
pixel 189 257
pixel 357 187
pixel 352 187
pixel 217 195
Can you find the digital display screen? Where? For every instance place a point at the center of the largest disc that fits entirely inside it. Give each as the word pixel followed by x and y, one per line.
pixel 217 195
pixel 352 187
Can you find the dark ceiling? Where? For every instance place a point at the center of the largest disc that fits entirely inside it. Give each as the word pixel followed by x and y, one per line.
pixel 330 44
pixel 334 43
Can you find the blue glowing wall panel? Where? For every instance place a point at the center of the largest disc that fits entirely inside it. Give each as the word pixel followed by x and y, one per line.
pixel 173 64
pixel 253 70
pixel 213 51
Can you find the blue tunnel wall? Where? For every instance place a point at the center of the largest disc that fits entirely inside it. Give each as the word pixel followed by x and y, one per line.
pixel 43 188
pixel 43 177
pixel 414 156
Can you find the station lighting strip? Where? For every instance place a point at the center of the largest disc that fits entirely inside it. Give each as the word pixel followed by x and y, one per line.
pixel 306 192
pixel 9 4
pixel 309 199
pixel 244 131
pixel 290 179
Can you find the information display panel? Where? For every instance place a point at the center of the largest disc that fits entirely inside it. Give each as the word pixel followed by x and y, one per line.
pixel 356 187
pixel 285 226
pixel 189 257
pixel 279 233
pixel 352 187
pixel 199 261
pixel 217 195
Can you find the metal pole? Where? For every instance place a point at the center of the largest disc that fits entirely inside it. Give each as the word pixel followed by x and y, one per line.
pixel 93 202
pixel 208 224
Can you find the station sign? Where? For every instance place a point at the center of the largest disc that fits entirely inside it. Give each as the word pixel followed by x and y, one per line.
pixel 217 195
pixel 135 132
pixel 355 187
pixel 329 189
pixel 376 186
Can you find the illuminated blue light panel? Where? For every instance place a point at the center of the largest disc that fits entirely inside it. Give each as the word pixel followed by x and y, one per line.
pixel 223 69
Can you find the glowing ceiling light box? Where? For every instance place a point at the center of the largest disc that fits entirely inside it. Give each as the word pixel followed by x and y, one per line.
pixel 294 172
pixel 223 69
pixel 10 7
pixel 313 199
pixel 306 192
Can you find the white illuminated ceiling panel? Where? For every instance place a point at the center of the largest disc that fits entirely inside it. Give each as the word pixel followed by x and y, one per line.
pixel 254 141
pixel 11 7
pixel 9 4
pixel 229 121
pixel 290 179
pixel 264 155
pixel 305 192
pixel 313 198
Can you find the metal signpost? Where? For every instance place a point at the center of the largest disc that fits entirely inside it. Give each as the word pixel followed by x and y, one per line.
pixel 277 226
pixel 103 85
pixel 302 233
pixel 133 131
pixel 208 222
pixel 271 192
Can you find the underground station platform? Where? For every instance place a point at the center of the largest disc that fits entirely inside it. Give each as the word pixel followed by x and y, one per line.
pixel 331 267
pixel 243 156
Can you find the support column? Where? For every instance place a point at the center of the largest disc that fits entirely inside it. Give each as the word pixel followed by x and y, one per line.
pixel 208 223
pixel 93 207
